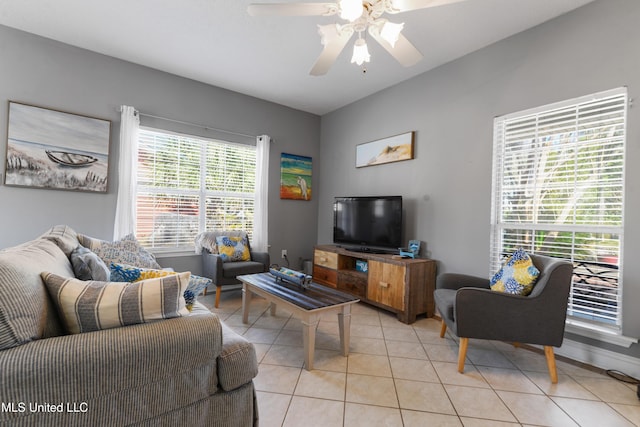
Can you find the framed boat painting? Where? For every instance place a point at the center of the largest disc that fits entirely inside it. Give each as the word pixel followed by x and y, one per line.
pixel 56 150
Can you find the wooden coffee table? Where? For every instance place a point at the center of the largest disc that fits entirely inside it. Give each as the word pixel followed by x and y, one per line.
pixel 305 304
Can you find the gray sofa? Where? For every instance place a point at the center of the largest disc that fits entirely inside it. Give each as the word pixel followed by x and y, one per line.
pixel 190 370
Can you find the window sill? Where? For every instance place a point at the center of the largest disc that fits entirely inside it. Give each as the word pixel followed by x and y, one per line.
pixel 174 253
pixel 598 333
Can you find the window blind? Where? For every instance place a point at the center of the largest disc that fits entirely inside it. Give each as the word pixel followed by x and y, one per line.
pixel 187 185
pixel 558 190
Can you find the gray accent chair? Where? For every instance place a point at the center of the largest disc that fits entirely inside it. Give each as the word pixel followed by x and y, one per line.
pixel 225 273
pixel 470 309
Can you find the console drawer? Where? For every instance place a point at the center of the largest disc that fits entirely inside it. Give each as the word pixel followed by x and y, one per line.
pixel 353 282
pixel 325 276
pixel 325 259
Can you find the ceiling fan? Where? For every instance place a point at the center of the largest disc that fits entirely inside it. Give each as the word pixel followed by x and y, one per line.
pixel 361 16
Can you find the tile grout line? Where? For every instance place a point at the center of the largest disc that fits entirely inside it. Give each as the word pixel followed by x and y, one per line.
pixel 519 366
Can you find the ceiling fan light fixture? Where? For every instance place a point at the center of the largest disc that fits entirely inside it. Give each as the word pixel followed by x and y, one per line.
pixel 328 33
pixel 391 31
pixel 360 52
pixel 351 9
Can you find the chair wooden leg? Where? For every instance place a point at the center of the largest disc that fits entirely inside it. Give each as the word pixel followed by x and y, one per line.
pixel 218 292
pixel 551 363
pixel 443 329
pixel 462 353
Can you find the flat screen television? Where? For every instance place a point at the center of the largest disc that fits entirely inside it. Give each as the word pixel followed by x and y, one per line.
pixel 368 224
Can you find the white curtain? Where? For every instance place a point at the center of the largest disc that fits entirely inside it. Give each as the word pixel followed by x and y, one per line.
pixel 125 222
pixel 260 240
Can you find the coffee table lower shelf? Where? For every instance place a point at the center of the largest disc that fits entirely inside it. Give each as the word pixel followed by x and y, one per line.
pixel 308 305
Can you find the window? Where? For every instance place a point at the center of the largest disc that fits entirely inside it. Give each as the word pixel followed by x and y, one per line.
pixel 558 190
pixel 187 185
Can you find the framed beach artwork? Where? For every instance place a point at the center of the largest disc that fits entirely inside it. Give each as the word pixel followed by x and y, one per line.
pixel 386 150
pixel 56 150
pixel 295 177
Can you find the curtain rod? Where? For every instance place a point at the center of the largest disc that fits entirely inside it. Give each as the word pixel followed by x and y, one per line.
pixel 195 125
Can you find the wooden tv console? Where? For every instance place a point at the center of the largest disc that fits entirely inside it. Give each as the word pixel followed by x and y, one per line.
pixel 401 285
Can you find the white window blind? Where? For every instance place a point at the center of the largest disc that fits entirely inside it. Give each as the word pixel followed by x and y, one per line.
pixel 558 190
pixel 187 185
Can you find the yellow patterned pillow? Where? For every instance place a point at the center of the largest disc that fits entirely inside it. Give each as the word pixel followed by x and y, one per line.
pixel 233 248
pixel 517 275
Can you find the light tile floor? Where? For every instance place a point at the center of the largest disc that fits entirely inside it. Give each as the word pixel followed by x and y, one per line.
pixel 406 375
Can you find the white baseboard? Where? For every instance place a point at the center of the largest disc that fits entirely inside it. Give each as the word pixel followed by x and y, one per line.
pixel 598 357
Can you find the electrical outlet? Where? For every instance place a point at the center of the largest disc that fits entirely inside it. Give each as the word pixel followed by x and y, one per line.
pixel 284 253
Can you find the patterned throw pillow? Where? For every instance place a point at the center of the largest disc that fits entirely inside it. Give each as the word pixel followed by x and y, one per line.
pixel 233 249
pixel 93 306
pixel 124 251
pixel 517 275
pixel 128 273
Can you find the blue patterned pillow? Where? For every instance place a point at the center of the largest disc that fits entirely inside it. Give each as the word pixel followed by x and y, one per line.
pixel 128 273
pixel 233 249
pixel 517 276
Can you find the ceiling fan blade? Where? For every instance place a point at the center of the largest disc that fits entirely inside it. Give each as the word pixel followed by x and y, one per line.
pixel 334 39
pixel 292 9
pixel 399 6
pixel 403 51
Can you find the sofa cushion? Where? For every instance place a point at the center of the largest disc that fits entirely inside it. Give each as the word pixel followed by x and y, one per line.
pixel 233 249
pixel 233 269
pixel 124 251
pixel 87 306
pixel 128 273
pixel 139 375
pixel 517 276
pixel 64 236
pixel 237 364
pixel 25 310
pixel 87 265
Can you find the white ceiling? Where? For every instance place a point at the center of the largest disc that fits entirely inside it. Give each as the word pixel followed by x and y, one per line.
pixel 217 42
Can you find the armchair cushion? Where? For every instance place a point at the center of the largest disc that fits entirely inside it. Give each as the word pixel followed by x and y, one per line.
pixel 231 270
pixel 92 305
pixel 517 276
pixel 233 249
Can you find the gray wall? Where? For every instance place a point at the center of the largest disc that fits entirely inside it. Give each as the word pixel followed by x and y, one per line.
pixel 447 187
pixel 42 72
